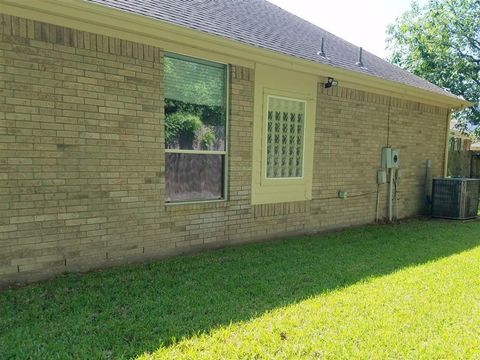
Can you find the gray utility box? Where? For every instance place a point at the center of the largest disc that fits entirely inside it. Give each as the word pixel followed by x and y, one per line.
pixel 455 198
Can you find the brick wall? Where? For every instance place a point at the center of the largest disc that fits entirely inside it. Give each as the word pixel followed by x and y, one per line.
pixel 82 159
pixel 81 148
pixel 352 128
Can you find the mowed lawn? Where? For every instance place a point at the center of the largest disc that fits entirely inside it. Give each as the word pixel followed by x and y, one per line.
pixel 409 291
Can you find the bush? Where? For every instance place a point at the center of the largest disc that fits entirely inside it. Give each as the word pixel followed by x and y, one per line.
pixel 207 138
pixel 180 129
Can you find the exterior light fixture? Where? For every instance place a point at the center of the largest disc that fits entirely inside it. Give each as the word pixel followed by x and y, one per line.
pixel 330 82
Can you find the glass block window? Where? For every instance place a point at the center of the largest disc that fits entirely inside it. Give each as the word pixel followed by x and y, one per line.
pixel 195 129
pixel 285 137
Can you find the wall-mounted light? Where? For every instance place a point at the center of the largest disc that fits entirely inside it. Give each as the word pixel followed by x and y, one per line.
pixel 330 82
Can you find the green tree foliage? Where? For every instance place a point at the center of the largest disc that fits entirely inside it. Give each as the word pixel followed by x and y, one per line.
pixel 186 131
pixel 181 129
pixel 195 88
pixel 441 43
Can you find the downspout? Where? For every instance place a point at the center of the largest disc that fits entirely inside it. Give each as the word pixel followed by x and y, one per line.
pixel 447 138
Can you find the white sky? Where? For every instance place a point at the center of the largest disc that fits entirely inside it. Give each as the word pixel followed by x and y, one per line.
pixel 361 22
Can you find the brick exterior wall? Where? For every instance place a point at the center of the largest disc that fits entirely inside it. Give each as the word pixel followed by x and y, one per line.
pixel 82 158
pixel 352 128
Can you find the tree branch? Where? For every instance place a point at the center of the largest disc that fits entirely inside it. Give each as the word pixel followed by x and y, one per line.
pixel 468 56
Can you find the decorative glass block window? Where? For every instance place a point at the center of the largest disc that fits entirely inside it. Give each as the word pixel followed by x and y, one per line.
pixel 195 129
pixel 285 137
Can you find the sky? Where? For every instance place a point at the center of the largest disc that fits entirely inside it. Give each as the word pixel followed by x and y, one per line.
pixel 361 22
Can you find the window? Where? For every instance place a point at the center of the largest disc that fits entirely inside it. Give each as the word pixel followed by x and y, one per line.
pixel 195 129
pixel 285 134
pixel 284 112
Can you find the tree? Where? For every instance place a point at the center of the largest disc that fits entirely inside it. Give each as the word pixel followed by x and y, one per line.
pixel 441 43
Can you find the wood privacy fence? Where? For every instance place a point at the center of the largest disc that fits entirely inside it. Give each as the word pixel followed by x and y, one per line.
pixel 464 164
pixel 475 165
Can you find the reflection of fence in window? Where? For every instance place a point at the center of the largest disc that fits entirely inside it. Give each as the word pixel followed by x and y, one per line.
pixel 193 177
pixel 285 135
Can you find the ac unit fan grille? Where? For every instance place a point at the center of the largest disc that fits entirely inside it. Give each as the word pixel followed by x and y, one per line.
pixel 455 198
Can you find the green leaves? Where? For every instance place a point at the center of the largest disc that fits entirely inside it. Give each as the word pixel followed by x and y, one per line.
pixel 441 43
pixel 180 129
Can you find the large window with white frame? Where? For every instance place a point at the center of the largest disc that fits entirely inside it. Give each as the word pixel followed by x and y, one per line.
pixel 195 129
pixel 285 137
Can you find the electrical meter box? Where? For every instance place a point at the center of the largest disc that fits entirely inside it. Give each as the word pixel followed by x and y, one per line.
pixel 390 158
pixel 395 158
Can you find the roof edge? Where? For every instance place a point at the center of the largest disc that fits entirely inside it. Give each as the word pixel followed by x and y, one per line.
pixel 95 18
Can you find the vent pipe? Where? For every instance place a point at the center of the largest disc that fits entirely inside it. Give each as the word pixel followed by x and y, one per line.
pixel 322 50
pixel 360 62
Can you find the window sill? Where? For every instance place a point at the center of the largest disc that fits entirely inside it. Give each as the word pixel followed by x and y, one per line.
pixel 194 205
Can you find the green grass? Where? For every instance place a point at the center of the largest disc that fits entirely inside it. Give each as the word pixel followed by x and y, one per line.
pixel 403 291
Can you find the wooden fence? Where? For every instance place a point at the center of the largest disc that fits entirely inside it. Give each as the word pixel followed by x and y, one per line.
pixel 464 164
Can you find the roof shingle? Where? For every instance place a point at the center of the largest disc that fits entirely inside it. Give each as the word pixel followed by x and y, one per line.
pixel 265 25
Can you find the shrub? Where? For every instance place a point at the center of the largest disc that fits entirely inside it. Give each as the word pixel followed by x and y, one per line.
pixel 180 129
pixel 207 138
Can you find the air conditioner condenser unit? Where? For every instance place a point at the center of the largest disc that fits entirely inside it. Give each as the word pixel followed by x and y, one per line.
pixel 455 198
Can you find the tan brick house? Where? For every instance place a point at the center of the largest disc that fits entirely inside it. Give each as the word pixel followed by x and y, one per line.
pixel 141 129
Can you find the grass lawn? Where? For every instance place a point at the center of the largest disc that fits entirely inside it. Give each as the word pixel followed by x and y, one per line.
pixel 377 292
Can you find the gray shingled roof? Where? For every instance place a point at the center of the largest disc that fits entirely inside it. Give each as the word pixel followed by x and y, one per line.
pixel 264 25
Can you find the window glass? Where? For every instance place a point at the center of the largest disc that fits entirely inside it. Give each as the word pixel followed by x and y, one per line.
pixel 193 177
pixel 285 135
pixel 195 105
pixel 195 129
